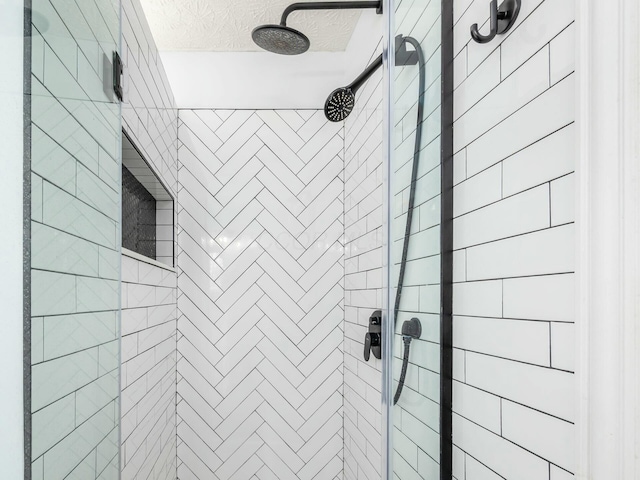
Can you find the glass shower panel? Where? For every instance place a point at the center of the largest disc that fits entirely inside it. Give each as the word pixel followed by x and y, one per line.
pixel 414 243
pixel 75 240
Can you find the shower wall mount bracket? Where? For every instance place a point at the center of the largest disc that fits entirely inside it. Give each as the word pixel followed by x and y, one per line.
pixel 118 74
pixel 501 19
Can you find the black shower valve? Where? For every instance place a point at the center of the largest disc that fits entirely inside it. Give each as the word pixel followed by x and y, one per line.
pixel 373 338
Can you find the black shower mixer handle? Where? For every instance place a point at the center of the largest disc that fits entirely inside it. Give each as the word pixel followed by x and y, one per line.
pixel 373 338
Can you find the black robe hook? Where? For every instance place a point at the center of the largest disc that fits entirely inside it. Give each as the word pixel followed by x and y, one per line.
pixel 502 18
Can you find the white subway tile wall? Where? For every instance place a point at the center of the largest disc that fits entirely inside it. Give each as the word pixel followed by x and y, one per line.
pixel 149 291
pixel 74 228
pixel 260 295
pixel 513 264
pixel 363 281
pixel 148 378
pixel 514 241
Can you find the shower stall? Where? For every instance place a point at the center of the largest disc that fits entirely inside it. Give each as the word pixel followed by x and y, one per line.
pixel 243 260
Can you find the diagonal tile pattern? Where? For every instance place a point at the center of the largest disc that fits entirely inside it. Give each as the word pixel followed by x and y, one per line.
pixel 260 295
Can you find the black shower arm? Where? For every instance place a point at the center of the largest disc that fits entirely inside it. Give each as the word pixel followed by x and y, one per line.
pixel 403 58
pixel 364 76
pixel 328 6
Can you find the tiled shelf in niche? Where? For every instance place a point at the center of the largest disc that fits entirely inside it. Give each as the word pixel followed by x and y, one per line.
pixel 147 208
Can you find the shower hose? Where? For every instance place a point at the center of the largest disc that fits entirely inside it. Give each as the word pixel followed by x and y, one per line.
pixel 411 328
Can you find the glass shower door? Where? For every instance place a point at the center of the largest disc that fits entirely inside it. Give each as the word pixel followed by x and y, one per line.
pixel 416 266
pixel 75 161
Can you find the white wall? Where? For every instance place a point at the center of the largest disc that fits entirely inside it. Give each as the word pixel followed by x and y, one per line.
pixel 148 402
pixel 11 238
pixel 513 294
pixel 149 289
pixel 363 279
pixel 514 246
pixel 261 289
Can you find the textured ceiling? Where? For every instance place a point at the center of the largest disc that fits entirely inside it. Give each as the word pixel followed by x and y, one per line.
pixel 226 25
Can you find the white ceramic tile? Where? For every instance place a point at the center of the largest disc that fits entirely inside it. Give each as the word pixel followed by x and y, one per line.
pixel 548 159
pixel 96 294
pixel 67 213
pixel 265 282
pixel 559 474
pixel 52 293
pixel 480 407
pixel 459 266
pixel 504 219
pixel 54 422
pixel 478 298
pixel 522 383
pixel 563 54
pixel 517 340
pixel 563 346
pixel 544 252
pixel 538 30
pixel 66 334
pixel 500 455
pixel 477 85
pixel 478 191
pixel 548 297
pixel 151 121
pixel 563 200
pixel 57 378
pixel 526 83
pixel 541 434
pixel 477 471
pixel 524 127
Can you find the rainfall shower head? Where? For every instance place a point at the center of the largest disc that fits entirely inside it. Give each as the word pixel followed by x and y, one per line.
pixel 280 39
pixel 339 104
pixel 285 40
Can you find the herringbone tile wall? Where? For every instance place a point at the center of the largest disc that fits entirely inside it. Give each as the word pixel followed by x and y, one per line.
pixel 261 295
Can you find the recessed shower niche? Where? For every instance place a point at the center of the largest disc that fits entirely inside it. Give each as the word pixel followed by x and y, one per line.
pixel 147 208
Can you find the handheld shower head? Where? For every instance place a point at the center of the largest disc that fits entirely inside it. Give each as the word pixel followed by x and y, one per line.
pixel 280 39
pixel 339 104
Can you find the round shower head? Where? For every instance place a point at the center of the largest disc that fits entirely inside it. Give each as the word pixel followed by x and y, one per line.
pixel 339 104
pixel 280 39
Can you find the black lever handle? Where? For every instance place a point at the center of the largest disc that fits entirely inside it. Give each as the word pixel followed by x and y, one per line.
pixel 367 346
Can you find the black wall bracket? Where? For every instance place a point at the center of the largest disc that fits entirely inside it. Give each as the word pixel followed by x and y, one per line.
pixel 118 73
pixel 501 19
pixel 405 57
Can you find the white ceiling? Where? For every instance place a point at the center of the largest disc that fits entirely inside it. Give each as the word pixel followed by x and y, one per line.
pixel 226 25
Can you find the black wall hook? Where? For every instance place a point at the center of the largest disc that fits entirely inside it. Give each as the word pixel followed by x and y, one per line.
pixel 501 20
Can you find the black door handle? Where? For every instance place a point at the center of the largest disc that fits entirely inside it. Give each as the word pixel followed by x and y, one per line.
pixel 373 339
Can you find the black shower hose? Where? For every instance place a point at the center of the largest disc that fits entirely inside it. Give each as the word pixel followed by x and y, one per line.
pixel 406 338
